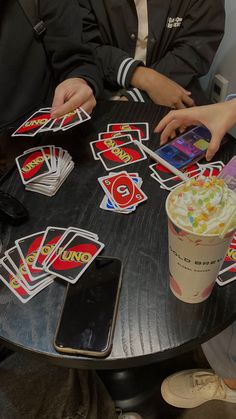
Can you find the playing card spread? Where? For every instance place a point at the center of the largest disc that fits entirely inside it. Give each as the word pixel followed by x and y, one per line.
pixel 33 124
pixel 121 189
pixel 142 127
pixel 108 143
pixel 122 155
pixel 14 285
pixel 135 134
pixel 44 169
pixel 28 247
pixel 168 181
pixel 41 121
pixel 76 251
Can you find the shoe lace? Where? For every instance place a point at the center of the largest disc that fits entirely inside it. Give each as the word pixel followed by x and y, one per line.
pixel 210 384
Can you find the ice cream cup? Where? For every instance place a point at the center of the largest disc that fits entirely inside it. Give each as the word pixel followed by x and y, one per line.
pixel 194 260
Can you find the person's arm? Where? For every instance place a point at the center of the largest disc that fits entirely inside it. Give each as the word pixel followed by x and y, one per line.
pixel 194 43
pixel 115 64
pixel 218 118
pixel 71 61
pixel 122 71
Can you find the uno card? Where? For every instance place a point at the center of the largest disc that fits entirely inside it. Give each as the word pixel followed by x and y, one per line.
pixel 122 190
pixel 135 134
pixel 28 247
pixel 75 258
pixel 121 156
pixel 14 285
pixel 16 274
pixel 84 115
pixel 142 127
pixel 33 124
pixel 51 237
pixel 227 276
pixel 32 165
pixel 108 143
pixel 230 257
pixel 56 124
pixel 18 265
pixel 70 119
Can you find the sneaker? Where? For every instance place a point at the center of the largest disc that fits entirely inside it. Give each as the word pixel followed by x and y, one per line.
pixel 129 415
pixel 192 388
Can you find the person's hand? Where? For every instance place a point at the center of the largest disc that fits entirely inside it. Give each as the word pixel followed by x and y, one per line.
pixel 71 94
pixel 123 98
pixel 218 118
pixel 161 89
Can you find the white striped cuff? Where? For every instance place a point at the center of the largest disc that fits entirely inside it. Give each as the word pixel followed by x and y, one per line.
pixel 123 71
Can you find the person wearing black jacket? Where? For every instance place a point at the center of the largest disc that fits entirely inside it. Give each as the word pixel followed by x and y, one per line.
pixel 154 49
pixel 31 68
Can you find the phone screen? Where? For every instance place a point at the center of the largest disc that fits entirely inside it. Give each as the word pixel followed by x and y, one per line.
pixel 187 148
pixel 88 316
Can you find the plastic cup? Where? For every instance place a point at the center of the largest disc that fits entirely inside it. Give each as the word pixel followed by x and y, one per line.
pixel 194 260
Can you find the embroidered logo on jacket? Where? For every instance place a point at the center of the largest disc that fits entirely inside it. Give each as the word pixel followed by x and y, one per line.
pixel 174 22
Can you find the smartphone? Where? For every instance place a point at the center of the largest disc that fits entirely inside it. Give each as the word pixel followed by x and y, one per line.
pixel 87 321
pixel 186 149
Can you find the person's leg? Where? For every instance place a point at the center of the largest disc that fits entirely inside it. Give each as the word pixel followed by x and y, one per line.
pixel 32 389
pixel 191 388
pixel 220 352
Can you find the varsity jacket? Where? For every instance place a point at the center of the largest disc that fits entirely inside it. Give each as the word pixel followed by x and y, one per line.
pixel 183 38
pixel 30 68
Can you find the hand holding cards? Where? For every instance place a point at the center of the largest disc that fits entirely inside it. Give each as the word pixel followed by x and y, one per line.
pixel 41 121
pixel 37 259
pixel 44 169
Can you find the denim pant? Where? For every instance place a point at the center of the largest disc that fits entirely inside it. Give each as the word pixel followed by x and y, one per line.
pixel 220 352
pixel 33 389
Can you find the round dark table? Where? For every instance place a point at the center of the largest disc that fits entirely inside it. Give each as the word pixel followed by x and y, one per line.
pixel 152 324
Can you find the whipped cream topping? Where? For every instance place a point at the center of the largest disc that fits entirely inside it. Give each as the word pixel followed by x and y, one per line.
pixel 203 205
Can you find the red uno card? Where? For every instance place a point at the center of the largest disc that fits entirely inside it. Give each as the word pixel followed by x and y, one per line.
pixel 70 119
pixel 108 143
pixel 75 258
pixel 33 124
pixel 51 237
pixel 122 190
pixel 142 127
pixel 28 247
pixel 32 165
pixel 135 134
pixel 123 155
pixel 14 285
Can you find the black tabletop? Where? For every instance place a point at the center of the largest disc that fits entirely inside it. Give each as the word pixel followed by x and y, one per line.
pixel 151 324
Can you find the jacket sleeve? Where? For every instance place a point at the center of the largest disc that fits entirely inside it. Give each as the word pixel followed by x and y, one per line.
pixel 115 64
pixel 195 44
pixel 66 53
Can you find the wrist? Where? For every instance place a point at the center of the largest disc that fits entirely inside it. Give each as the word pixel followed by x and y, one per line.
pixel 231 113
pixel 139 78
